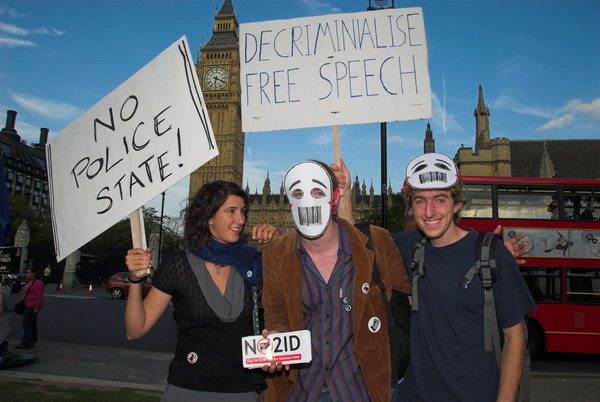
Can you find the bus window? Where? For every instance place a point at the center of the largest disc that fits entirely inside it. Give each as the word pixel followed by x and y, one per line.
pixel 478 201
pixel 583 286
pixel 581 203
pixel 543 283
pixel 527 203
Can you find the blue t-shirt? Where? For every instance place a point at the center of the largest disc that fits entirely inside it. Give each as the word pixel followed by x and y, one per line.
pixel 448 362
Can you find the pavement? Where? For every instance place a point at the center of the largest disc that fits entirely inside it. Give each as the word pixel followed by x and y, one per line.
pixel 92 365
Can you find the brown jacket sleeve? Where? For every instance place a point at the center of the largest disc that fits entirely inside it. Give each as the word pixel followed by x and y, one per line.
pixel 276 319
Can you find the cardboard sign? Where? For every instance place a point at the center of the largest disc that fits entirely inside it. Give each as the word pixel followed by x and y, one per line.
pixel 142 138
pixel 334 69
pixel 285 347
pixel 10 260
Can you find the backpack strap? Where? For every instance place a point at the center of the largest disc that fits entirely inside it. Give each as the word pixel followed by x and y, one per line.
pixel 417 266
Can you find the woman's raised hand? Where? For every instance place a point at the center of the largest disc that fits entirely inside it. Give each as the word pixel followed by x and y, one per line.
pixel 138 259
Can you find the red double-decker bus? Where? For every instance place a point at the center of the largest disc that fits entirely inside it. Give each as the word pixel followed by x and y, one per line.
pixel 560 218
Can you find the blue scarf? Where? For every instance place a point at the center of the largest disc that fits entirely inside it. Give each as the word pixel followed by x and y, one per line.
pixel 246 260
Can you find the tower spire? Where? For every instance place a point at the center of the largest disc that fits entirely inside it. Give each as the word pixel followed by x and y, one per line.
pixel 429 142
pixel 482 123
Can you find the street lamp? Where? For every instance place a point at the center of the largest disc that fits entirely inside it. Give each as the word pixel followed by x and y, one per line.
pixel 381 4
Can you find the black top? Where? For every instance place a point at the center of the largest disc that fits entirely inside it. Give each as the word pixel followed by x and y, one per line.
pixel 208 355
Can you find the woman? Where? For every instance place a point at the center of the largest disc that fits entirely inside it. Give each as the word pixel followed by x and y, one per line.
pixel 34 299
pixel 210 285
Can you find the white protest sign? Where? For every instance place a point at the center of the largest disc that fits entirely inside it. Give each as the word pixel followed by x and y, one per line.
pixel 285 347
pixel 142 138
pixel 334 69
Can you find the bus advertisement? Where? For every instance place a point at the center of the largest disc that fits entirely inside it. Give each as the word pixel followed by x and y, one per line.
pixel 560 220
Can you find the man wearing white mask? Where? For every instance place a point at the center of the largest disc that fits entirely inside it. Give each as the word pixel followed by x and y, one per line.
pixel 320 278
pixel 448 359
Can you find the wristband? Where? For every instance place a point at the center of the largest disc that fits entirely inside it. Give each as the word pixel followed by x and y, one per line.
pixel 143 279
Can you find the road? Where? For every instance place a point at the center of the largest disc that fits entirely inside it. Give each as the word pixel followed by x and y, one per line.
pixel 93 320
pixel 98 320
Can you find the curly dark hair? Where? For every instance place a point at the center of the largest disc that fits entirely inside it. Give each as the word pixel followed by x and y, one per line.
pixel 204 206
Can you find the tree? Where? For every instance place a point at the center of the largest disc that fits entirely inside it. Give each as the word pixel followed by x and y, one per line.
pixel 395 214
pixel 41 246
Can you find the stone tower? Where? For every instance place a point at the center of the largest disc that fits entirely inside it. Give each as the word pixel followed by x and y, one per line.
pixel 428 142
pixel 218 70
pixel 482 123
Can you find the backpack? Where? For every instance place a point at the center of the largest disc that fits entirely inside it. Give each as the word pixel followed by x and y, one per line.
pixel 485 267
pixel 398 312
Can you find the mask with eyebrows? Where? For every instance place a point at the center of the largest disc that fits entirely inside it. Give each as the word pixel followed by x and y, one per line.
pixel 431 171
pixel 308 187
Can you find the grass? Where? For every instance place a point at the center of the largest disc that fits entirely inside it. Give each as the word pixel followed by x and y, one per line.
pixel 42 391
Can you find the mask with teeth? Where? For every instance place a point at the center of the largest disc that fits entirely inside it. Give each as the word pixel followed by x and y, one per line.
pixel 308 187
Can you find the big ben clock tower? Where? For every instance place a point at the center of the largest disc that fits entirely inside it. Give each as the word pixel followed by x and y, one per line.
pixel 218 70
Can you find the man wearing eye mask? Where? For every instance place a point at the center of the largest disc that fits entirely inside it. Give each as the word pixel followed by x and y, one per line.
pixel 319 278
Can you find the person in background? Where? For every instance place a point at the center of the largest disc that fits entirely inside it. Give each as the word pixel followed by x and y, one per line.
pixel 34 299
pixel 4 327
pixel 588 213
pixel 213 287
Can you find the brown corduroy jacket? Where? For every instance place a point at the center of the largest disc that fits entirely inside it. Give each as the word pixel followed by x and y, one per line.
pixel 282 299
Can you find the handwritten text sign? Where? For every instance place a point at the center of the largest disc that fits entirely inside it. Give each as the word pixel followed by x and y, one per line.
pixel 139 140
pixel 334 69
pixel 286 347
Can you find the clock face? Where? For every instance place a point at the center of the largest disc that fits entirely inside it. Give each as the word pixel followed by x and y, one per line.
pixel 216 78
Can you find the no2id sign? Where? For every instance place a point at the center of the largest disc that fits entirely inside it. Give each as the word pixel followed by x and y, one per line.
pixel 285 347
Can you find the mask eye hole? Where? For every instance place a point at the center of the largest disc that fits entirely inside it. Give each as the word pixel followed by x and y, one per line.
pixel 420 167
pixel 442 166
pixel 317 193
pixel 297 194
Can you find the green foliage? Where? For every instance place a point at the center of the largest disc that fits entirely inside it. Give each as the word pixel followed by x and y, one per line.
pixel 41 247
pixel 395 214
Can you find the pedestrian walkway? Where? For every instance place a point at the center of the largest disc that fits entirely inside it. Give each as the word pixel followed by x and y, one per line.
pixel 94 365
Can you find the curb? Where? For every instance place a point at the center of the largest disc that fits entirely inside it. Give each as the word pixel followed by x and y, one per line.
pixel 20 376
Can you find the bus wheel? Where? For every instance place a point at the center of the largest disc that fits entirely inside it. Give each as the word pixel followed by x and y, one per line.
pixel 536 338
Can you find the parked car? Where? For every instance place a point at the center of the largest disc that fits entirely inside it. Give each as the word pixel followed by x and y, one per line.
pixel 118 286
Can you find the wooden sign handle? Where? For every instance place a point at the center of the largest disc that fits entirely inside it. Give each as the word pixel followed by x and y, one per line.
pixel 138 237
pixel 336 143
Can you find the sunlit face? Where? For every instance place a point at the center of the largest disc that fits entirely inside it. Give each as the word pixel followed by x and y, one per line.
pixel 434 214
pixel 228 223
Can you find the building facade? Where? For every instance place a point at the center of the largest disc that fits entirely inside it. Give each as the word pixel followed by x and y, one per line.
pixel 218 70
pixel 25 165
pixel 572 158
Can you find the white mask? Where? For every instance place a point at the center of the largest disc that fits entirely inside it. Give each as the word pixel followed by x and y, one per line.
pixel 309 189
pixel 431 171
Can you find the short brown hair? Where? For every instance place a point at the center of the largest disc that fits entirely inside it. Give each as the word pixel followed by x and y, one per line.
pixel 456 190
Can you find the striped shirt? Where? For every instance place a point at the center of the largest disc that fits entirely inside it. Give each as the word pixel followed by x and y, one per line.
pixel 328 315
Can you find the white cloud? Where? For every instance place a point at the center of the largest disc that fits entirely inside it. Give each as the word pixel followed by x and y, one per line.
pixel 574 111
pixel 511 104
pixel 10 12
pixel 19 31
pixel 558 122
pixel 441 117
pixel 587 110
pixel 255 173
pixel 407 141
pixel 320 7
pixel 12 42
pixel 45 107
pixel 13 29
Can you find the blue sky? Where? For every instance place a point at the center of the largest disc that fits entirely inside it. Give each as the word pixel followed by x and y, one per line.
pixel 538 62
